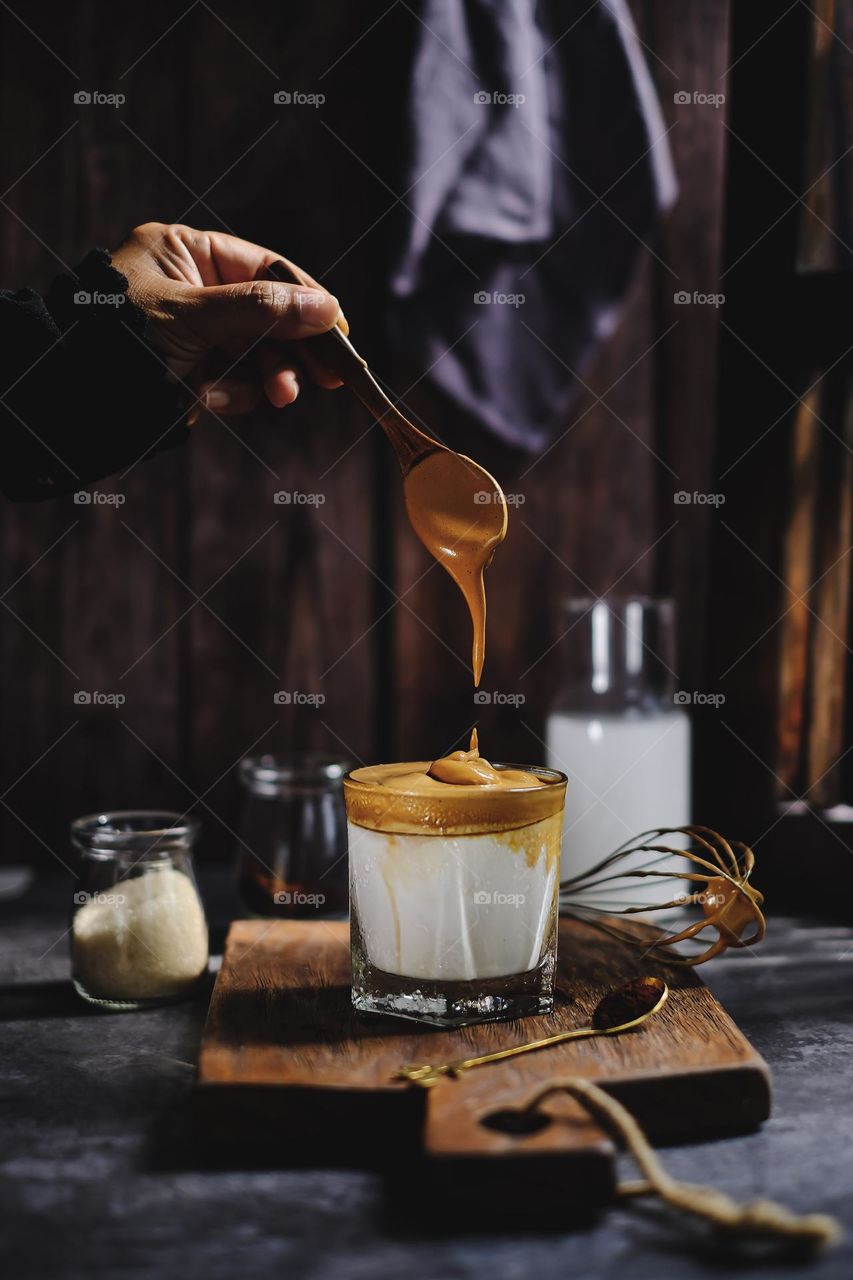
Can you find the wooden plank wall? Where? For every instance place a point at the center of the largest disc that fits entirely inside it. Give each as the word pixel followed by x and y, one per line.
pixel 200 596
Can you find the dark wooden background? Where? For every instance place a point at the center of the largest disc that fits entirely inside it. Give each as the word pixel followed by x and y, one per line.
pixel 199 597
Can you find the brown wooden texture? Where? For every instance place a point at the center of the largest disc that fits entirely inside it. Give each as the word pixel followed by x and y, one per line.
pixel 798 561
pixel 319 598
pixel 692 45
pixel 280 1023
pixel 780 331
pixel 830 600
pixel 825 226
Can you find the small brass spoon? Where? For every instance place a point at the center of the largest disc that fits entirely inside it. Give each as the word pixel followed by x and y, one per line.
pixel 622 1009
pixel 455 507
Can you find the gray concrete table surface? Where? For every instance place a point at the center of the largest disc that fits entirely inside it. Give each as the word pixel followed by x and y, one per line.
pixel 91 1106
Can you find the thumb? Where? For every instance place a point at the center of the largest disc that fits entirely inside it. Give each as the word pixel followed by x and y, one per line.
pixel 233 313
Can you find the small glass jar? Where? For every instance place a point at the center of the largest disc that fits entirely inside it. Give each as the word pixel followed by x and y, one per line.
pixel 619 730
pixel 292 852
pixel 138 933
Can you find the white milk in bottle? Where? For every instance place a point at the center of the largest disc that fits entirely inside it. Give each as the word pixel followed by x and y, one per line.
pixel 619 731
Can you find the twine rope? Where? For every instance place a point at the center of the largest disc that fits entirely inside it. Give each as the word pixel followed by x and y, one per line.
pixel 756 1220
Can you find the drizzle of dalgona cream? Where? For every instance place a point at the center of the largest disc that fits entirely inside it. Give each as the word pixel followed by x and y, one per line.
pixel 469 769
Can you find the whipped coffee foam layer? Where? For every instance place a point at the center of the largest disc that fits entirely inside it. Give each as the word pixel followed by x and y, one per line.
pixel 461 794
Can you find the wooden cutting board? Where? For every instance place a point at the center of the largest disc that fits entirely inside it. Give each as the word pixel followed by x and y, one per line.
pixel 285 1057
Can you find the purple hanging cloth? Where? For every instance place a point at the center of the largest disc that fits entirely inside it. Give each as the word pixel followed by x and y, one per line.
pixel 538 164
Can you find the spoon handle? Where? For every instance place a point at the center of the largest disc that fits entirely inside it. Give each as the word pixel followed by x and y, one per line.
pixel 579 1033
pixel 426 1074
pixel 335 351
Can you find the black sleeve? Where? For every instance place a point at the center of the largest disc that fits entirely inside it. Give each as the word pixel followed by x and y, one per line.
pixel 84 395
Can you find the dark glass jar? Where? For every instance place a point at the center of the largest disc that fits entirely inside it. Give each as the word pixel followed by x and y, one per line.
pixel 292 852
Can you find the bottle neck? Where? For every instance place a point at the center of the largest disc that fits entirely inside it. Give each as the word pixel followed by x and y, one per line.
pixel 618 658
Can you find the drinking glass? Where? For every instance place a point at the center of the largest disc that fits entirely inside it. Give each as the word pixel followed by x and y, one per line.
pixel 453 899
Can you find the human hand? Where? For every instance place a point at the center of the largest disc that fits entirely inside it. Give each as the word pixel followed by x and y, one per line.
pixel 228 335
